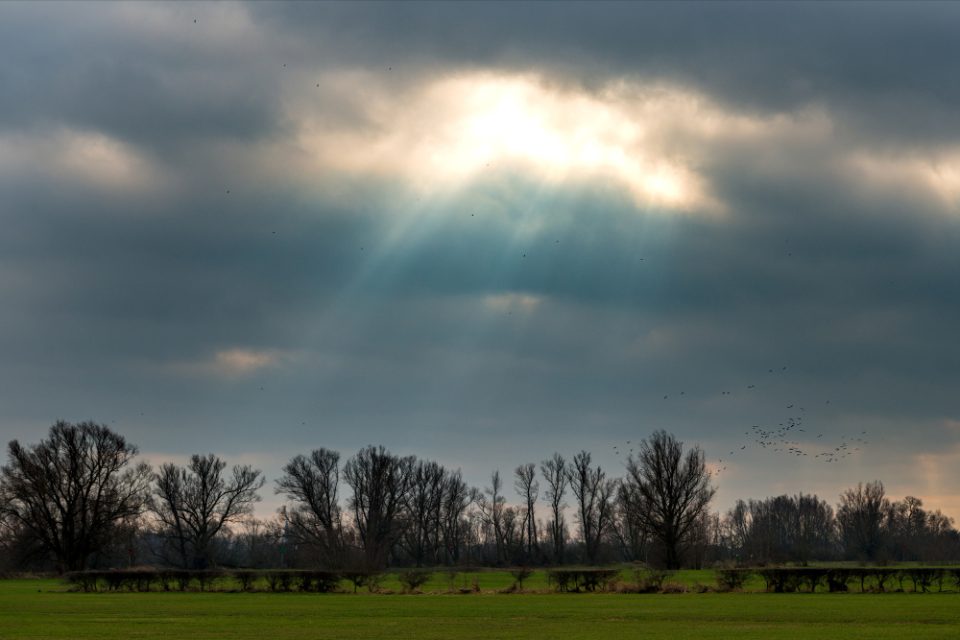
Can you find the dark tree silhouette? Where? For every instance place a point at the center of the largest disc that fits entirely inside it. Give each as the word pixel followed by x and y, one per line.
pixel 456 499
pixel 674 490
pixel 76 500
pixel 554 471
pixel 913 533
pixel 783 528
pixel 492 507
pixel 594 493
pixel 312 484
pixel 628 525
pixel 527 486
pixel 861 517
pixel 422 534
pixel 193 504
pixel 70 492
pixel 381 486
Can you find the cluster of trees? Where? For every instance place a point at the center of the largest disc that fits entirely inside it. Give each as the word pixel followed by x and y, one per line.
pixel 866 526
pixel 79 499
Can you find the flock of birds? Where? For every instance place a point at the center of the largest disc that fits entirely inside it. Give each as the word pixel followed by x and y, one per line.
pixel 792 437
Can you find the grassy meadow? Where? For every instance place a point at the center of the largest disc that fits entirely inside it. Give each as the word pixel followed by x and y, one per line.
pixel 47 609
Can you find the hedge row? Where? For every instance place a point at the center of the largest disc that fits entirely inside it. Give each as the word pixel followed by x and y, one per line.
pixel 839 579
pixel 778 580
pixel 202 580
pixel 566 580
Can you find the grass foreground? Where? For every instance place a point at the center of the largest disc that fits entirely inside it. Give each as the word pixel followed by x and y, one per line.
pixel 44 609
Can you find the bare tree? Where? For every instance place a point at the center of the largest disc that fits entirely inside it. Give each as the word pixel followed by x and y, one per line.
pixel 19 549
pixel 426 497
pixel 455 500
pixel 554 471
pixel 527 486
pixel 783 528
pixel 511 528
pixel 71 491
pixel 628 524
pixel 736 527
pixel 193 504
pixel 491 504
pixel 594 493
pixel 860 516
pixel 674 489
pixel 381 485
pixel 312 483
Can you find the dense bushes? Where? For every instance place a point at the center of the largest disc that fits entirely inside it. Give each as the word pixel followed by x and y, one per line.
pixel 840 579
pixel 566 580
pixel 203 580
pixel 413 579
pixel 369 579
pixel 732 579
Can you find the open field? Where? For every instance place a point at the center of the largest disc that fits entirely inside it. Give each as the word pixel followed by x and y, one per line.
pixel 43 609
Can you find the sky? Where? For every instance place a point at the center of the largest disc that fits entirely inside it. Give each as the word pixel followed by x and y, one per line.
pixel 482 233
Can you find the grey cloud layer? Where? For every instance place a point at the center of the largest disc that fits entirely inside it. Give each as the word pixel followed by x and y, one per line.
pixel 888 64
pixel 116 304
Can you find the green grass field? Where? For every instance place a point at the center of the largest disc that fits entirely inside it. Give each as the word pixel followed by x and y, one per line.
pixel 44 609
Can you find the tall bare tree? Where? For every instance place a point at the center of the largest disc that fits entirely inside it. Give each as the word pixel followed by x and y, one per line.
pixel 381 485
pixel 312 484
pixel 861 516
pixel 594 493
pixel 457 497
pixel 628 525
pixel 70 492
pixel 554 471
pixel 674 489
pixel 736 525
pixel 527 486
pixel 195 503
pixel 492 504
pixel 426 498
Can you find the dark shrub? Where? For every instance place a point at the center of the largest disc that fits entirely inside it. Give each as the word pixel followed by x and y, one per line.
pixel 837 580
pixel 452 574
pixel 566 580
pixel 245 578
pixel 84 580
pixel 279 580
pixel 561 578
pixel 650 580
pixel 362 579
pixel 413 579
pixel 593 579
pixel 520 574
pixel 779 580
pixel 325 581
pixel 732 579
pixel 207 577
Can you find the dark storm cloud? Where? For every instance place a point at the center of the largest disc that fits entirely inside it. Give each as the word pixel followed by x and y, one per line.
pixel 182 285
pixel 91 67
pixel 883 64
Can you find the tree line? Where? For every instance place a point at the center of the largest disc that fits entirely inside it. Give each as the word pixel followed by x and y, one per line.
pixel 79 499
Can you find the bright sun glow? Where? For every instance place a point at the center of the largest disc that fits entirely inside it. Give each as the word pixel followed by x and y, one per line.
pixel 560 137
pixel 463 128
